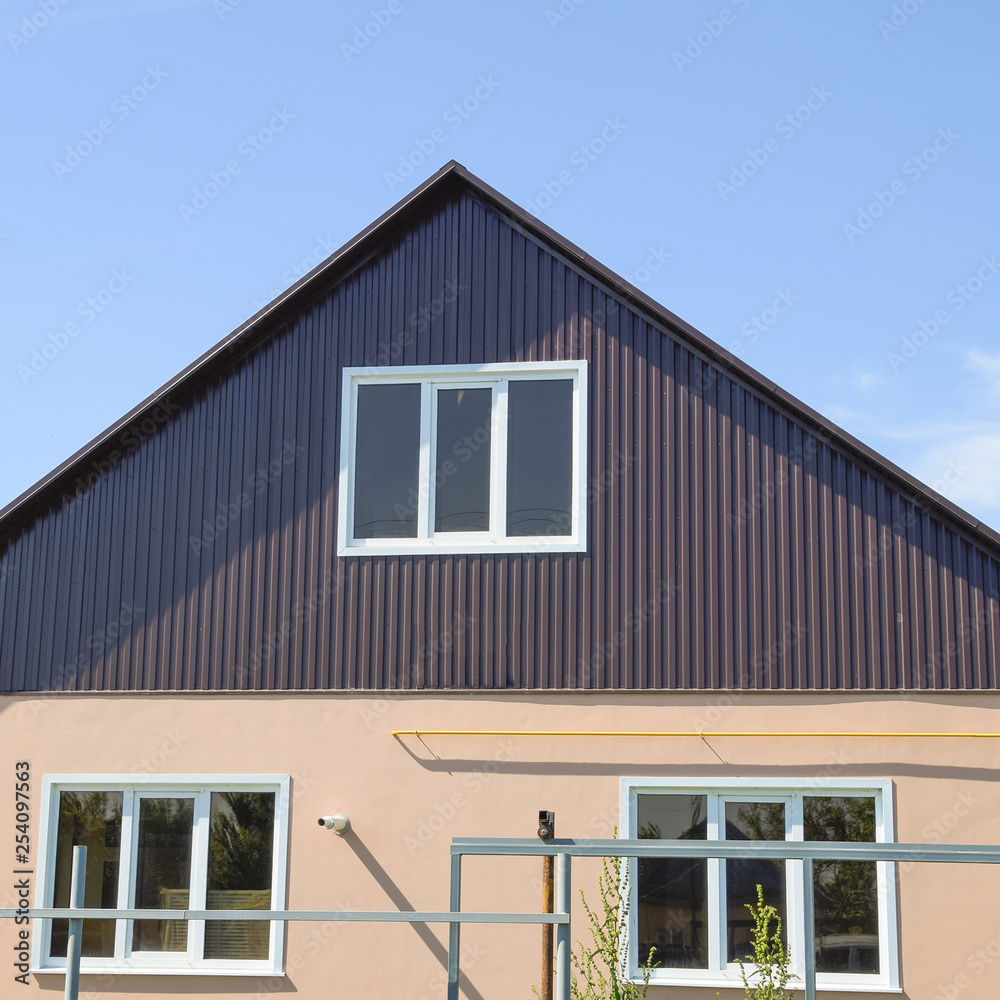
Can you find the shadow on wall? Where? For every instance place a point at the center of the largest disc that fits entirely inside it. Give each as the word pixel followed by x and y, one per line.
pixel 399 900
pixel 616 768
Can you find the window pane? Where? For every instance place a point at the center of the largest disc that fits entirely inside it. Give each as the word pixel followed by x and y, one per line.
pixel 92 820
pixel 673 893
pixel 539 457
pixel 240 850
pixel 163 872
pixel 462 469
pixel 846 891
pixel 387 461
pixel 753 821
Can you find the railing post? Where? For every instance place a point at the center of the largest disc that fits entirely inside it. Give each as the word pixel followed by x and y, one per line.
pixel 563 930
pixel 78 884
pixel 546 831
pixel 454 928
pixel 809 923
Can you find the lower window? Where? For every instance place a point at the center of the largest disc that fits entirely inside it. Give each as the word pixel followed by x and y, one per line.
pixel 178 843
pixel 690 914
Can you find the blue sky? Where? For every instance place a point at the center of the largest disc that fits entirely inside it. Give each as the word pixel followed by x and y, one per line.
pixel 813 186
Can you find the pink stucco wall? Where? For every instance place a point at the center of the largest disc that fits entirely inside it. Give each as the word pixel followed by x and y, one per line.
pixel 407 797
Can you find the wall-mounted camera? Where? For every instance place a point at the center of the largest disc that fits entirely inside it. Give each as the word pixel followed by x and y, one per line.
pixel 339 823
pixel 546 824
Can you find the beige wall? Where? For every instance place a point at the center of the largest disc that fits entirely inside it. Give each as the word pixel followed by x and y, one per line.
pixel 407 797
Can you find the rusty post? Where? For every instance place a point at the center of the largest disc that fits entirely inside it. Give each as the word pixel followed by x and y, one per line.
pixel 546 831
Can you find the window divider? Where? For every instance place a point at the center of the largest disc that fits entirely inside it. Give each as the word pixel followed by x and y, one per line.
pixel 198 898
pixel 795 894
pixel 126 870
pixel 715 829
pixel 498 461
pixel 425 476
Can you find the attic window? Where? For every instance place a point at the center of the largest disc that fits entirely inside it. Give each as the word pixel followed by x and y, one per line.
pixel 454 458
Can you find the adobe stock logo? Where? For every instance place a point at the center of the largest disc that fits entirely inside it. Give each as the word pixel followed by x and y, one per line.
pixel 711 29
pixel 787 127
pixel 958 298
pixel 30 26
pixel 580 159
pixel 365 34
pixel 121 107
pixel 249 149
pixel 914 169
pixel 88 310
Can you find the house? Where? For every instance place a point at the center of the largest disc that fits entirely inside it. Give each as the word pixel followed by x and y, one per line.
pixel 459 527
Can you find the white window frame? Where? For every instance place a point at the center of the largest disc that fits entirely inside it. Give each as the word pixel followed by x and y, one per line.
pixel 462 376
pixel 134 788
pixel 721 973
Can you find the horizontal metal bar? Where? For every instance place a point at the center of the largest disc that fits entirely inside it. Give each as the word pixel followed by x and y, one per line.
pixel 334 916
pixel 741 849
pixel 690 733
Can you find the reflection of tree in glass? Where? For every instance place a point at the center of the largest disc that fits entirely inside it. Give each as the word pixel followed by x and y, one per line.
pixel 242 840
pixel 164 857
pixel 240 848
pixel 163 870
pixel 846 891
pixel 672 891
pixel 92 819
pixel 745 878
pixel 90 815
pixel 762 820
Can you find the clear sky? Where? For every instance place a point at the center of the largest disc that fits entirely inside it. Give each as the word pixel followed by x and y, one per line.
pixel 812 185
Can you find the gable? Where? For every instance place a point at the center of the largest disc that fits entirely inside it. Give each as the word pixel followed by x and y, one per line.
pixel 734 539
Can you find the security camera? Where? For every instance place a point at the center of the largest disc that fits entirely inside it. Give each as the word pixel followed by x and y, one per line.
pixel 546 824
pixel 339 823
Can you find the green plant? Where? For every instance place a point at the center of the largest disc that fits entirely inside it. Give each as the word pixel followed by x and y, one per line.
pixel 770 975
pixel 603 968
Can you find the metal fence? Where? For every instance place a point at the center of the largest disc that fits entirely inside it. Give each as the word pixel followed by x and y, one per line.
pixel 563 851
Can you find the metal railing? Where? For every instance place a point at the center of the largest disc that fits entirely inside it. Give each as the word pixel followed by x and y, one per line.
pixel 563 851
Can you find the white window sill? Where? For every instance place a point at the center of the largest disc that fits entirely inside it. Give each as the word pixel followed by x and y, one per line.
pixel 480 547
pixel 163 970
pixel 860 985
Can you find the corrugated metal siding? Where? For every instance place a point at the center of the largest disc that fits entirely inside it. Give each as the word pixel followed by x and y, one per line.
pixel 729 546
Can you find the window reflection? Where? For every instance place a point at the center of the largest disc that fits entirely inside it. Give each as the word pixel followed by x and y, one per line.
pixel 387 461
pixel 163 871
pixel 753 821
pixel 92 820
pixel 240 853
pixel 462 473
pixel 673 892
pixel 539 457
pixel 846 891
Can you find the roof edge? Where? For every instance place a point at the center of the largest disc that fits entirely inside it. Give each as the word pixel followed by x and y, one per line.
pixel 240 338
pixel 372 236
pixel 823 426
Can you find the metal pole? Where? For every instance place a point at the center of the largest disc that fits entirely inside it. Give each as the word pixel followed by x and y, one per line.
pixel 563 932
pixel 546 831
pixel 454 928
pixel 809 903
pixel 547 900
pixel 78 883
